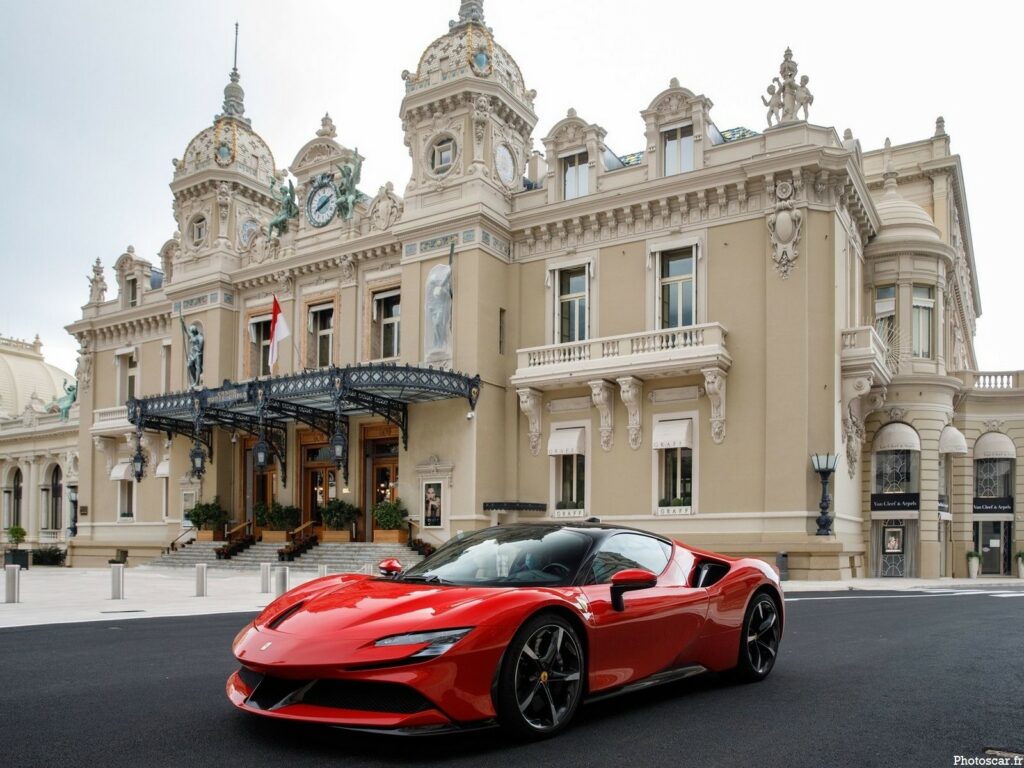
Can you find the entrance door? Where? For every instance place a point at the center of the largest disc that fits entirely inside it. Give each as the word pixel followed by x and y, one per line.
pixel 321 484
pixel 991 537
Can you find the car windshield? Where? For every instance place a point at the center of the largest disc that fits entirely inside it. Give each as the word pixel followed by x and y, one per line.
pixel 512 556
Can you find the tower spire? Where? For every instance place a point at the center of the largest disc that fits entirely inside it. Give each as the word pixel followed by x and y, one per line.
pixel 234 96
pixel 469 11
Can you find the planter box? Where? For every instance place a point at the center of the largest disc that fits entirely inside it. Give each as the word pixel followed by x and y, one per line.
pixel 399 536
pixel 334 537
pixel 209 536
pixel 973 567
pixel 17 557
pixel 277 537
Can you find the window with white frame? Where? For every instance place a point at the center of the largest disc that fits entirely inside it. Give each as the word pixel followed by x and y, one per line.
pixel 885 312
pixel 127 376
pixel 575 176
pixel 993 478
pixel 567 448
pixel 126 499
pixel 442 155
pixel 677 291
pixel 672 443
pixel 572 482
pixel 571 307
pixel 320 342
pixel 922 320
pixel 131 290
pixel 259 346
pixel 677 149
pixel 14 517
pixel 387 317
pixel 56 500
pixel 197 230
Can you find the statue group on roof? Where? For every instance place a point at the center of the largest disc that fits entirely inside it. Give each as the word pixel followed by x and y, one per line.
pixel 786 97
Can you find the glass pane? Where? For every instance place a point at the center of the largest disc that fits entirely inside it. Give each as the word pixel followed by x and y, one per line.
pixel 686 288
pixel 922 292
pixel 566 494
pixel 582 177
pixel 677 263
pixel 669 473
pixel 885 292
pixel 581 319
pixel 686 154
pixel 324 350
pixel 570 180
pixel 572 281
pixel 670 305
pixel 671 153
pixel 388 345
pixel 581 462
pixel 264 359
pixel 686 476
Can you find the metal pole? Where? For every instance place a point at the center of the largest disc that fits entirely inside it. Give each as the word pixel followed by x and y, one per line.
pixel 280 580
pixel 264 578
pixel 322 570
pixel 12 583
pixel 200 579
pixel 117 581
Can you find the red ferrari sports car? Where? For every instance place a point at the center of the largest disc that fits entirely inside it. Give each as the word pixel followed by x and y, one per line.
pixel 513 625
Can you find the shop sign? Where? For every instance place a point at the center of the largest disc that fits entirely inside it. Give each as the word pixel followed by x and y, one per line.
pixel 902 502
pixel 996 504
pixel 943 504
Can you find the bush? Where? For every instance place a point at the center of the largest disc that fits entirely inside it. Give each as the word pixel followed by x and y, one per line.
pixel 49 556
pixel 1020 555
pixel 259 514
pixel 974 555
pixel 562 505
pixel 208 516
pixel 390 515
pixel 339 515
pixel 664 502
pixel 15 535
pixel 281 518
pixel 677 502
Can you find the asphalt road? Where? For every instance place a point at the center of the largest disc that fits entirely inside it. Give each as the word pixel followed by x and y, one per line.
pixel 863 679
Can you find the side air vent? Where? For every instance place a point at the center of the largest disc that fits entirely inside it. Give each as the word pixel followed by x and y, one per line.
pixel 278 620
pixel 709 572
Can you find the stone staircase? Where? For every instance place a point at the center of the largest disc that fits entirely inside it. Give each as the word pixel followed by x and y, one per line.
pixel 354 557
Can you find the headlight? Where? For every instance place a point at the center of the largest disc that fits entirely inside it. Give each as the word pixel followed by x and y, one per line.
pixel 438 641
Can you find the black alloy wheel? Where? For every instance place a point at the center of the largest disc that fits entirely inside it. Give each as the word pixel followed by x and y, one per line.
pixel 541 681
pixel 759 643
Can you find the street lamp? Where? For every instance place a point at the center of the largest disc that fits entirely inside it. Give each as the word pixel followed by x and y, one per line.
pixel 338 445
pixel 198 458
pixel 138 463
pixel 824 464
pixel 261 453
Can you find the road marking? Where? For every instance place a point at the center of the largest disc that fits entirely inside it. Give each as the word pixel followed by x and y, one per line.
pixel 907 595
pixel 1009 594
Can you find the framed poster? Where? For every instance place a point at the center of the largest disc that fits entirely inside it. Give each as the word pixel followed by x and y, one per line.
pixel 893 540
pixel 432 501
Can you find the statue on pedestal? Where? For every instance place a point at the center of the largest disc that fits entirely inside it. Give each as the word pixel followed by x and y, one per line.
pixel 786 97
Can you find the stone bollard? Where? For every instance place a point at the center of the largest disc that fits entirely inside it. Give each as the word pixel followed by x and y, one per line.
pixel 117 581
pixel 12 586
pixel 321 570
pixel 280 580
pixel 264 578
pixel 200 579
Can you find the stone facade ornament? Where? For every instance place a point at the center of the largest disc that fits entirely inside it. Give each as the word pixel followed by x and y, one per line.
pixel 327 129
pixel 529 404
pixel 786 97
pixel 108 448
pixel 83 371
pixel 437 315
pixel 97 284
pixel 223 200
pixel 994 425
pixel 601 393
pixel 385 209
pixel 784 226
pixel 897 414
pixel 631 390
pixel 714 385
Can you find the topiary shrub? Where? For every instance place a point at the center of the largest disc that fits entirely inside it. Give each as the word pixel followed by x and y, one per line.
pixel 390 515
pixel 339 515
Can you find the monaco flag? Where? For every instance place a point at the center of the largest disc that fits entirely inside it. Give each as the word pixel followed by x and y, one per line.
pixel 278 331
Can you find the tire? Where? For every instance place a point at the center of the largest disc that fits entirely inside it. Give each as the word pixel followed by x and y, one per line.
pixel 759 640
pixel 541 682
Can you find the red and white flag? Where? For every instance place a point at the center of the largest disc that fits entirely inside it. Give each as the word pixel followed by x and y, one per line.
pixel 278 331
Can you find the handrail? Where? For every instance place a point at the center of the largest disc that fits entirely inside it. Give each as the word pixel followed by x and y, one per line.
pixel 241 526
pixel 302 530
pixel 173 545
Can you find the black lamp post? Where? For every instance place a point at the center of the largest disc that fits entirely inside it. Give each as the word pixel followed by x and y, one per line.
pixel 138 463
pixel 824 464
pixel 338 445
pixel 261 453
pixel 73 500
pixel 198 459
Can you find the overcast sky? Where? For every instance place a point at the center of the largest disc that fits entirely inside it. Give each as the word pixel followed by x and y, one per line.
pixel 97 97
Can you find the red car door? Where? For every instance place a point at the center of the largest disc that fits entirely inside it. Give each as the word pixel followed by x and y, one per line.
pixel 658 624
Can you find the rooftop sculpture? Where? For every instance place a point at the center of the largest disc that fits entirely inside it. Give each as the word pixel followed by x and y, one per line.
pixel 786 97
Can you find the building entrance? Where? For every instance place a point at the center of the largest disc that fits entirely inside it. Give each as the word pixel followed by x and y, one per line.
pixel 994 540
pixel 380 474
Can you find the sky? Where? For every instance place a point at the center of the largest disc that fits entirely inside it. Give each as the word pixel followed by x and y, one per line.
pixel 97 97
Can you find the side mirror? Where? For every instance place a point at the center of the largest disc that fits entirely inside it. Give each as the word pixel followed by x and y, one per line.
pixel 390 566
pixel 627 581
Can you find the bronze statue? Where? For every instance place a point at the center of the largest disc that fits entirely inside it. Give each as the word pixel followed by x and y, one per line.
pixel 63 404
pixel 288 208
pixel 347 194
pixel 193 349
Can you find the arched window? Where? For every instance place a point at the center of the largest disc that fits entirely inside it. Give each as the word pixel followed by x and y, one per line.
pixel 56 499
pixel 897 459
pixel 16 498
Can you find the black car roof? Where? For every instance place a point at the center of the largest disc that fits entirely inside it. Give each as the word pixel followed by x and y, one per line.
pixel 595 530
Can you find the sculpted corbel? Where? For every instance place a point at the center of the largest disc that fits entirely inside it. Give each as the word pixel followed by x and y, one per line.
pixel 631 390
pixel 854 390
pixel 108 448
pixel 601 394
pixel 714 387
pixel 529 404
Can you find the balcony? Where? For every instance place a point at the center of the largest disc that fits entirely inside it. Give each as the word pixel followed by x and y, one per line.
pixel 864 354
pixel 992 381
pixel 111 421
pixel 668 352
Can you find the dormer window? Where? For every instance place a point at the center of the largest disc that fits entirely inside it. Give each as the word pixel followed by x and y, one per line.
pixel 131 291
pixel 197 230
pixel 442 155
pixel 677 149
pixel 575 176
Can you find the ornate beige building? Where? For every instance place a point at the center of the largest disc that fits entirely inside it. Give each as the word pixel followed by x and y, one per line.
pixel 38 446
pixel 660 338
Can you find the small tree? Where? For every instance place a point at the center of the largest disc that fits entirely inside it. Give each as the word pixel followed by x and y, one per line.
pixel 208 516
pixel 15 535
pixel 282 518
pixel 339 515
pixel 390 515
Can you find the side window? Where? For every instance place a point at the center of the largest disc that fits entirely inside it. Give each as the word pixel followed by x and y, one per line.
pixel 628 550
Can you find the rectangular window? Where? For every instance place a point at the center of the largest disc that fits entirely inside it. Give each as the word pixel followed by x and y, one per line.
pixel 131 288
pixel 387 316
pixel 320 341
pixel 885 312
pixel 573 289
pixel 924 309
pixel 443 156
pixel 133 374
pixel 677 144
pixel 676 477
pixel 259 347
pixel 127 377
pixel 501 331
pixel 944 482
pixel 126 499
pixel 677 288
pixel 572 481
pixel 575 176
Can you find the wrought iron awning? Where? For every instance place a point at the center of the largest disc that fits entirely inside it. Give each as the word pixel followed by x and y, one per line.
pixel 322 399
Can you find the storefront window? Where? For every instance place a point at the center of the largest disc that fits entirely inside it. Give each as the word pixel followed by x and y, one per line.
pixel 896 471
pixel 993 478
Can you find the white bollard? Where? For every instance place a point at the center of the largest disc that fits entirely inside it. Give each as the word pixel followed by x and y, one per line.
pixel 117 581
pixel 280 580
pixel 264 578
pixel 12 581
pixel 200 579
pixel 321 570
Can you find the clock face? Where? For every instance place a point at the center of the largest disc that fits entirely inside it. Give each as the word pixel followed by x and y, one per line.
pixel 321 205
pixel 505 164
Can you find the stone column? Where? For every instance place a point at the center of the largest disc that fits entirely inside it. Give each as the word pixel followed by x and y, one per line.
pixel 30 499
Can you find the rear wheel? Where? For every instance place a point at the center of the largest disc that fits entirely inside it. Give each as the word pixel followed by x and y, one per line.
pixel 759 643
pixel 541 681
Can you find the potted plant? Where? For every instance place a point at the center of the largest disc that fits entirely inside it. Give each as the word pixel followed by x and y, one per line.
pixel 279 520
pixel 338 517
pixel 389 519
pixel 973 564
pixel 15 535
pixel 208 519
pixel 1020 564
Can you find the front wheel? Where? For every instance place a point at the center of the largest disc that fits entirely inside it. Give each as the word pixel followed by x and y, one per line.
pixel 541 681
pixel 759 643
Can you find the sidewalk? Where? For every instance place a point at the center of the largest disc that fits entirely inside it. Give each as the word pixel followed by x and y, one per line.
pixel 63 595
